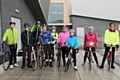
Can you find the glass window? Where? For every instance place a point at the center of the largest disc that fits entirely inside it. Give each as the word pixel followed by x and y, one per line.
pixel 56 13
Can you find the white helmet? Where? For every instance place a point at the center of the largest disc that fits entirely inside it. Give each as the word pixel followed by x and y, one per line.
pixel 53 27
pixel 72 30
pixel 91 27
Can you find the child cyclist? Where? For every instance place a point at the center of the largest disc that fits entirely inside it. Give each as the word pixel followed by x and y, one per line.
pixel 72 42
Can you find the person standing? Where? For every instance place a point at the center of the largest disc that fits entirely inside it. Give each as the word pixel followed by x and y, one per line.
pixel 54 39
pixel 27 41
pixel 90 37
pixel 11 34
pixel 111 39
pixel 62 39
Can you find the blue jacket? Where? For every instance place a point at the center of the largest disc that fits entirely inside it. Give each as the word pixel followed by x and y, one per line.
pixel 45 37
pixel 72 41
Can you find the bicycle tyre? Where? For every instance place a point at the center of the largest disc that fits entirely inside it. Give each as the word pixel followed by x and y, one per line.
pixel 6 61
pixel 109 65
pixel 67 66
pixel 33 62
pixel 41 60
pixel 90 60
pixel 59 59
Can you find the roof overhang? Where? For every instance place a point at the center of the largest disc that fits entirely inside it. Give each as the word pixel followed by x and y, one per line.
pixel 37 10
pixel 59 24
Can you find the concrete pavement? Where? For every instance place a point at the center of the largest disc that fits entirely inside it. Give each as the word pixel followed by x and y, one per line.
pixel 48 73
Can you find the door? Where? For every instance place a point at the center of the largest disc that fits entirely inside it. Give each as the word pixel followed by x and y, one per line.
pixel 17 26
pixel 80 35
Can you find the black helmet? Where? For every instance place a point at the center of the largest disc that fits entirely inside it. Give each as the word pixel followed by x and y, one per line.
pixel 12 23
pixel 44 25
pixel 38 22
pixel 26 24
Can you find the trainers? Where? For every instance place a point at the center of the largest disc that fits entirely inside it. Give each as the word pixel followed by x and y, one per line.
pixel 112 67
pixel 11 66
pixel 101 67
pixel 16 65
pixel 75 68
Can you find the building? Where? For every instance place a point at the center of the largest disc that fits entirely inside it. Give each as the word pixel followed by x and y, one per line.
pixel 59 14
pixel 21 11
pixel 96 13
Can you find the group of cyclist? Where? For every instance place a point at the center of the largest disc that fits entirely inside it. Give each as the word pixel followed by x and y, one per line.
pixel 39 35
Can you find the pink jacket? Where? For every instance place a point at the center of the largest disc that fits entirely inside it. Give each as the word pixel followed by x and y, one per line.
pixel 62 37
pixel 90 38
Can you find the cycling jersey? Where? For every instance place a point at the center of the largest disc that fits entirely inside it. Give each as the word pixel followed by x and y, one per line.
pixel 45 37
pixel 72 41
pixel 11 35
pixel 111 38
pixel 54 37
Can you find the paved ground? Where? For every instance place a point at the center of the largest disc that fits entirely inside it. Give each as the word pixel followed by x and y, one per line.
pixel 55 73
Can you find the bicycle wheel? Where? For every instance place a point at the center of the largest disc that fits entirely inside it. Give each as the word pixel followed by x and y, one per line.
pixel 59 59
pixel 67 65
pixel 90 60
pixel 41 60
pixel 6 61
pixel 33 61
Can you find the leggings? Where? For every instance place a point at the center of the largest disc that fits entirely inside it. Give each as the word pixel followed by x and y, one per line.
pixel 64 53
pixel 13 49
pixel 106 53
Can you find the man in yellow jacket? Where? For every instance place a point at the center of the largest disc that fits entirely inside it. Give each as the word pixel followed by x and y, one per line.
pixel 11 34
pixel 111 39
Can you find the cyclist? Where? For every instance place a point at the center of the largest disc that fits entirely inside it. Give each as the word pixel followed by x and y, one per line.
pixel 54 39
pixel 27 41
pixel 46 38
pixel 36 29
pixel 111 38
pixel 11 34
pixel 90 37
pixel 62 39
pixel 72 42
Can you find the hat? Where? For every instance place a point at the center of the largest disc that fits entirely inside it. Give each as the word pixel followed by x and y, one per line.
pixel 26 24
pixel 12 23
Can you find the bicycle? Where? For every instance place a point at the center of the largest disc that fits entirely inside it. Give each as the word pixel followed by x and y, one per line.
pixel 89 55
pixel 6 58
pixel 58 55
pixel 42 56
pixel 33 60
pixel 69 58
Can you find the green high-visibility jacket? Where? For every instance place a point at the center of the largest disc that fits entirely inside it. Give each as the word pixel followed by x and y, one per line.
pixel 111 38
pixel 11 35
pixel 54 37
pixel 34 27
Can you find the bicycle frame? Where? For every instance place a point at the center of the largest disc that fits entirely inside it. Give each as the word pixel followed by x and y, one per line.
pixel 109 58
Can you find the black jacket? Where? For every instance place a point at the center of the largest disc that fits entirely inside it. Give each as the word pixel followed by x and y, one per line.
pixel 24 38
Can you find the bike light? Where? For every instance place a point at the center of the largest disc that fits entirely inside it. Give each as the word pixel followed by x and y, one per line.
pixel 91 43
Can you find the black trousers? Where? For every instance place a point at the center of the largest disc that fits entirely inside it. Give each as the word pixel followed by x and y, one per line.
pixel 64 53
pixel 73 55
pixel 13 50
pixel 28 54
pixel 52 50
pixel 48 51
pixel 94 55
pixel 106 53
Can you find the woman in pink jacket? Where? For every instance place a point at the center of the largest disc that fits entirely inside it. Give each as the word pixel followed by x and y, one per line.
pixel 62 39
pixel 90 37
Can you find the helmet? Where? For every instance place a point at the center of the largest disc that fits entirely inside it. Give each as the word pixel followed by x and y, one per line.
pixel 64 27
pixel 53 27
pixel 91 27
pixel 72 30
pixel 38 22
pixel 26 24
pixel 44 25
pixel 12 23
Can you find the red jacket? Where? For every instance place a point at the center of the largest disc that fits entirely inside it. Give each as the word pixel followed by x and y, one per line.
pixel 90 38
